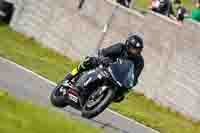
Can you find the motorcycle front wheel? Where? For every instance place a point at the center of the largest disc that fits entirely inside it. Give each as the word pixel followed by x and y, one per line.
pixel 97 104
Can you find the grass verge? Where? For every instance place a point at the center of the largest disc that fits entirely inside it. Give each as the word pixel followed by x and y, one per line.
pixel 53 66
pixel 24 117
pixel 27 52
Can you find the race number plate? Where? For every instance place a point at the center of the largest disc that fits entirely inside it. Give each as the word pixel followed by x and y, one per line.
pixel 73 98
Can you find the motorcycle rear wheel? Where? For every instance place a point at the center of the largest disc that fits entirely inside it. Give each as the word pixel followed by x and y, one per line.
pixel 56 98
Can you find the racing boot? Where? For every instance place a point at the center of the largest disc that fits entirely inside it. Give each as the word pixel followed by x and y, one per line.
pixel 68 77
pixel 118 99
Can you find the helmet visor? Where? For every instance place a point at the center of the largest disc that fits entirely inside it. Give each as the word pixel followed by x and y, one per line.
pixel 135 51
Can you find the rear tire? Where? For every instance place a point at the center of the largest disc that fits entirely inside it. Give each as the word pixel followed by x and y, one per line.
pixel 100 107
pixel 58 101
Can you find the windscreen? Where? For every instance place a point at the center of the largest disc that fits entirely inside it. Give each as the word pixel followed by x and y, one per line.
pixel 123 73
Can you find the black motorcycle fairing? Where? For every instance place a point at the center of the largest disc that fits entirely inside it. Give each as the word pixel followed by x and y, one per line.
pixel 123 73
pixel 90 80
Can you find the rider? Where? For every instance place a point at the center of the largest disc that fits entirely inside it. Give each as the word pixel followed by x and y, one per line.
pixel 131 49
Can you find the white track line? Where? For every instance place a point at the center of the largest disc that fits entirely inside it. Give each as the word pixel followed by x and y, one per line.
pixel 53 83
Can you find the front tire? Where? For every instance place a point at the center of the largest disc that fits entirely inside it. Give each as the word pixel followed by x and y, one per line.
pixel 107 99
pixel 56 99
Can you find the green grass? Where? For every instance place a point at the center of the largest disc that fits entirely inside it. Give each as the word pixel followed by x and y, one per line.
pixel 44 61
pixel 143 4
pixel 146 111
pixel 28 52
pixel 24 117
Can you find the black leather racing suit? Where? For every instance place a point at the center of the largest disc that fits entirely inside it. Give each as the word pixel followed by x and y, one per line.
pixel 119 50
pixel 113 52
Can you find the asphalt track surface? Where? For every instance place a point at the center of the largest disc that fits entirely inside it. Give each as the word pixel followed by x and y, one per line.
pixel 29 86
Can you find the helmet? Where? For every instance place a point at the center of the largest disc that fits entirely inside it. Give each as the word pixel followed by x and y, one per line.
pixel 135 40
pixel 134 44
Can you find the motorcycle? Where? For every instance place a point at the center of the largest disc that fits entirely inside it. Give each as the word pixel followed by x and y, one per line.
pixel 93 91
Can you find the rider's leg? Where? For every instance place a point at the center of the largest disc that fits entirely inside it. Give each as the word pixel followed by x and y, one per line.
pixel 72 74
pixel 77 70
pixel 87 64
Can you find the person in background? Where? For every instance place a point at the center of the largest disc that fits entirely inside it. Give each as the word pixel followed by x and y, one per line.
pixel 125 3
pixel 180 11
pixel 195 12
pixel 6 11
pixel 163 7
pixel 154 5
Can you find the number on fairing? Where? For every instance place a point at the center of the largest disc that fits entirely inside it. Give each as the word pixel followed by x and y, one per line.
pixel 73 98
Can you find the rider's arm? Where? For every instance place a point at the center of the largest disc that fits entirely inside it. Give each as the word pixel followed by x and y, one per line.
pixel 113 51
